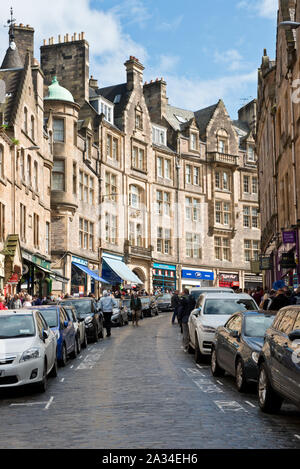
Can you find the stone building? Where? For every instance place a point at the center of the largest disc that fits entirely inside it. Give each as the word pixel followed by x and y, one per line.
pixel 278 145
pixel 25 171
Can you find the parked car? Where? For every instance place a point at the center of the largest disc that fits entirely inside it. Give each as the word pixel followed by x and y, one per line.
pixel 87 309
pixel 213 311
pixel 119 316
pixel 197 291
pixel 279 362
pixel 146 306
pixel 64 330
pixel 154 306
pixel 80 331
pixel 28 349
pixel 164 302
pixel 237 346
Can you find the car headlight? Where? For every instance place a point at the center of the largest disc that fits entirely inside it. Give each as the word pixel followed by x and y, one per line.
pixel 30 354
pixel 208 329
pixel 88 320
pixel 255 357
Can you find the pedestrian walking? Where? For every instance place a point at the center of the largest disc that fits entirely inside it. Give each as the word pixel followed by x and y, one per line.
pixel 187 304
pixel 174 304
pixel 16 303
pixel 279 301
pixel 106 304
pixel 136 308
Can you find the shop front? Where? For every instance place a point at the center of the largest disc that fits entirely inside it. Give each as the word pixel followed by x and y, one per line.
pixel 36 272
pixel 84 278
pixel 229 280
pixel 117 274
pixel 164 277
pixel 196 278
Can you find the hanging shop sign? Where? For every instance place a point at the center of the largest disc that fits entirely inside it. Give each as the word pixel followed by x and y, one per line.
pixel 289 237
pixel 266 263
pixel 288 260
pixel 14 279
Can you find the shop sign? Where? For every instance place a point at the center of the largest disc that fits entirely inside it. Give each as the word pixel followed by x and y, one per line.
pixel 288 261
pixel 229 280
pixel 77 260
pixel 255 267
pixel 289 237
pixel 164 266
pixel 266 263
pixel 81 290
pixel 197 274
pixel 14 279
pixel 41 262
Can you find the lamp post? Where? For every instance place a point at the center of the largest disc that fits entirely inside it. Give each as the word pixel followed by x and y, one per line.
pixel 289 25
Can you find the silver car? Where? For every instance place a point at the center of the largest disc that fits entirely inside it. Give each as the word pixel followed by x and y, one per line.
pixel 27 349
pixel 79 325
pixel 119 315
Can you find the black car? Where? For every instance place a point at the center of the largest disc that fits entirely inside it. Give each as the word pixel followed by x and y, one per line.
pixel 238 344
pixel 279 362
pixel 164 302
pixel 87 309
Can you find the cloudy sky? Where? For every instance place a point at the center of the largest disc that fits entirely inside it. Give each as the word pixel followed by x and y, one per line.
pixel 204 50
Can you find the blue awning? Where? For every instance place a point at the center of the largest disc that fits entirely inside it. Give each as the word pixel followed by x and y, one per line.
pixel 89 272
pixel 122 270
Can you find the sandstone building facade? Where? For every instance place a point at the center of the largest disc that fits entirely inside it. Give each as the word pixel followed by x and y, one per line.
pixel 142 192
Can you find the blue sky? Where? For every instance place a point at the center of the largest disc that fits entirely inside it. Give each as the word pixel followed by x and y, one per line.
pixel 204 50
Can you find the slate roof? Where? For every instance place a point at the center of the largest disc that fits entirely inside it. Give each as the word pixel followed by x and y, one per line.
pixel 172 112
pixel 12 79
pixel 203 117
pixel 109 93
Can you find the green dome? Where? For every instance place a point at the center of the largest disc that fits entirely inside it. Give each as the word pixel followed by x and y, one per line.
pixel 58 92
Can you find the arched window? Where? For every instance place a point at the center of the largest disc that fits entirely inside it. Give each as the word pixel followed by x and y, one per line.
pixel 32 127
pixel 134 196
pixel 29 181
pixel 25 120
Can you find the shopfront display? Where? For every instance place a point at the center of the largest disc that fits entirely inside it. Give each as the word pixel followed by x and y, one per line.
pixel 164 276
pixel 196 278
pixel 230 280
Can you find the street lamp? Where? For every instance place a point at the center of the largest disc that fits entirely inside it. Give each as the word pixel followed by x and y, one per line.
pixel 34 147
pixel 289 25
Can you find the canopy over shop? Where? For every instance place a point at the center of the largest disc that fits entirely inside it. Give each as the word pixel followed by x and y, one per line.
pixel 79 280
pixel 117 273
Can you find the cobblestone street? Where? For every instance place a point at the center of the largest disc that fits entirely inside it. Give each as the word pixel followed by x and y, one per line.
pixel 138 389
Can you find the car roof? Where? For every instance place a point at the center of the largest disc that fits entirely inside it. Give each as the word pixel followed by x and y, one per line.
pixel 260 312
pixel 42 307
pixel 230 296
pixel 77 299
pixel 212 289
pixel 14 312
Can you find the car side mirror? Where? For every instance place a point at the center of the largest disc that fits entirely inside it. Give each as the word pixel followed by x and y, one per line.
pixel 45 334
pixel 196 312
pixel 66 323
pixel 234 334
pixel 295 335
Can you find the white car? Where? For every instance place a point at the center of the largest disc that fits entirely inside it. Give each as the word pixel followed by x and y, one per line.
pixel 213 311
pixel 27 349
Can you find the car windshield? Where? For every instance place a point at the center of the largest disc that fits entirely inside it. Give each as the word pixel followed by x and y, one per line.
pixel 16 326
pixel 256 326
pixel 50 316
pixel 83 308
pixel 164 298
pixel 228 306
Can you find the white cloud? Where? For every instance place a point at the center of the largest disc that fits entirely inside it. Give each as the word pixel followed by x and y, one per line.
pixel 132 11
pixel 103 30
pixel 170 25
pixel 232 58
pixel 264 8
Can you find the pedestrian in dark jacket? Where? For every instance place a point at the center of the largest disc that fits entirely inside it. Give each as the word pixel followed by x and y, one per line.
pixel 174 304
pixel 279 301
pixel 136 308
pixel 187 304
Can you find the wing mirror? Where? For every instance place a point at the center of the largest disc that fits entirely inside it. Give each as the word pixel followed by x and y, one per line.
pixel 45 334
pixel 196 312
pixel 66 323
pixel 295 335
pixel 234 334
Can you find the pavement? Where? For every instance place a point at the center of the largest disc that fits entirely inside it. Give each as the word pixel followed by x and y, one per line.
pixel 138 390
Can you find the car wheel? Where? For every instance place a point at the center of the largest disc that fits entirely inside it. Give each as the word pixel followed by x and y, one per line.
pixel 240 379
pixel 64 356
pixel 42 386
pixel 84 344
pixel 216 370
pixel 269 401
pixel 198 354
pixel 53 372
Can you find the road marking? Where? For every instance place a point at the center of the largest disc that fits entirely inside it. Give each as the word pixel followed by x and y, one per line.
pixel 90 360
pixel 49 402
pixel 80 356
pixel 220 382
pixel 202 367
pixel 250 403
pixel 297 436
pixel 230 406
pixel 207 387
pixel 72 366
pixel 191 372
pixel 62 380
pixel 27 404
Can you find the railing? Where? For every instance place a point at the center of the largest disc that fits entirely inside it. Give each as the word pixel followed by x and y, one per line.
pixel 215 156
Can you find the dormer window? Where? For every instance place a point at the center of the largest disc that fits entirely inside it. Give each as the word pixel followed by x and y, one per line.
pixel 103 106
pixel 139 118
pixel 250 153
pixel 222 141
pixel 159 135
pixel 193 142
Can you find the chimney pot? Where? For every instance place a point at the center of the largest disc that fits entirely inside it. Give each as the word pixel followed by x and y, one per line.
pixel 82 35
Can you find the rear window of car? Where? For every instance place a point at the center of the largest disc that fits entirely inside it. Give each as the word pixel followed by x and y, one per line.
pixel 16 326
pixel 50 316
pixel 228 306
pixel 83 308
pixel 164 298
pixel 197 293
pixel 256 326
